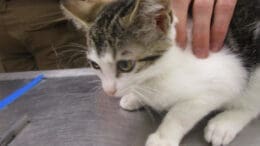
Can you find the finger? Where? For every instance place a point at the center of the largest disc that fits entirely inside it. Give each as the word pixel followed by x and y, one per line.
pixel 180 9
pixel 223 13
pixel 202 13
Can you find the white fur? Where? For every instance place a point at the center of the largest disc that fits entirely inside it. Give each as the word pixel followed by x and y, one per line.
pixel 189 88
pixel 222 129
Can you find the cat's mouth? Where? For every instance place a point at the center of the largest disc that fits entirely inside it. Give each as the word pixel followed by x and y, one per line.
pixel 116 90
pixel 112 93
pixel 116 94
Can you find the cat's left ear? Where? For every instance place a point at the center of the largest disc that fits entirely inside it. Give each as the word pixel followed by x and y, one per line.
pixel 82 12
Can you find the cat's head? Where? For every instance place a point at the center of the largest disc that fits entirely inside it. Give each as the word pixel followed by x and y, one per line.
pixel 126 38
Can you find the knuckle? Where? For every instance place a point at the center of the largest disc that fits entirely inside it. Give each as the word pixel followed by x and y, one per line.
pixel 202 4
pixel 220 31
pixel 201 26
pixel 181 32
pixel 182 3
pixel 226 5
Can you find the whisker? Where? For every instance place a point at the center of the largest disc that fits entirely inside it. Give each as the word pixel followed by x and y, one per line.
pixel 147 109
pixel 72 50
pixel 147 91
pixel 151 89
pixel 152 93
pixel 95 89
pixel 79 45
pixel 95 81
pixel 94 84
pixel 73 58
pixel 75 45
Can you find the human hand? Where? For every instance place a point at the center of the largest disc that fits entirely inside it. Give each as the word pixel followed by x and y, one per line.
pixel 209 31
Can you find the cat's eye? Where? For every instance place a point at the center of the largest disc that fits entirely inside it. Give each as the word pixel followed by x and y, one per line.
pixel 125 65
pixel 94 65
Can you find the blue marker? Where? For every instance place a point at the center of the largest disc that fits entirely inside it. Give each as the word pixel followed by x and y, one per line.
pixel 18 93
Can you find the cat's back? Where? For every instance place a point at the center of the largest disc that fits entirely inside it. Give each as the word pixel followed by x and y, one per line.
pixel 241 38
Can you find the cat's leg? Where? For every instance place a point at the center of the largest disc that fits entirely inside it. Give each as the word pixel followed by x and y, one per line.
pixel 179 120
pixel 131 102
pixel 223 128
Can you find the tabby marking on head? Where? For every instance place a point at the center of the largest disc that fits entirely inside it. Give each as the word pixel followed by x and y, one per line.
pixel 133 51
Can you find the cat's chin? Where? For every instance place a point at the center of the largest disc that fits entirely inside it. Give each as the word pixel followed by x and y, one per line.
pixel 119 94
pixel 116 95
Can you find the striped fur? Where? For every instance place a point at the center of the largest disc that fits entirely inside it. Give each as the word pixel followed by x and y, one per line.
pixel 132 49
pixel 123 22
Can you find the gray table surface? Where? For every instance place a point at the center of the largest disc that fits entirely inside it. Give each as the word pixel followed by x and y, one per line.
pixel 67 109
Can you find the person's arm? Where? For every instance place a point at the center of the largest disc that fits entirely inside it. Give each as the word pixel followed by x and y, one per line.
pixel 211 19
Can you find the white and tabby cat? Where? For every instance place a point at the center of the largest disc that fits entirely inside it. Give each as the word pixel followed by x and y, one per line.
pixel 132 50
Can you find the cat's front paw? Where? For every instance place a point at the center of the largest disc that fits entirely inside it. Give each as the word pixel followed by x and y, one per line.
pixel 221 131
pixel 130 102
pixel 157 140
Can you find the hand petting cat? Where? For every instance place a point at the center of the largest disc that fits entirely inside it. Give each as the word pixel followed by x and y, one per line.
pixel 211 19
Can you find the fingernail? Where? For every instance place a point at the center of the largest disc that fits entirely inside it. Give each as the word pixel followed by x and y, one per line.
pixel 181 44
pixel 215 48
pixel 201 53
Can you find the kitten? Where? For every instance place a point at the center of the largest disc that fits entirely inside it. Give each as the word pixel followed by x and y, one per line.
pixel 132 50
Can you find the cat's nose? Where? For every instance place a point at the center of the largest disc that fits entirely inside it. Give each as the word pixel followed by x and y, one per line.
pixel 111 92
pixel 109 88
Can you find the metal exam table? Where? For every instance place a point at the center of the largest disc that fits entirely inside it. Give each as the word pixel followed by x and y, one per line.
pixel 65 109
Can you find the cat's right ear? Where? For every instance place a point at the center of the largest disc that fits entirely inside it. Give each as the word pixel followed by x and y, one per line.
pixel 82 12
pixel 154 14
